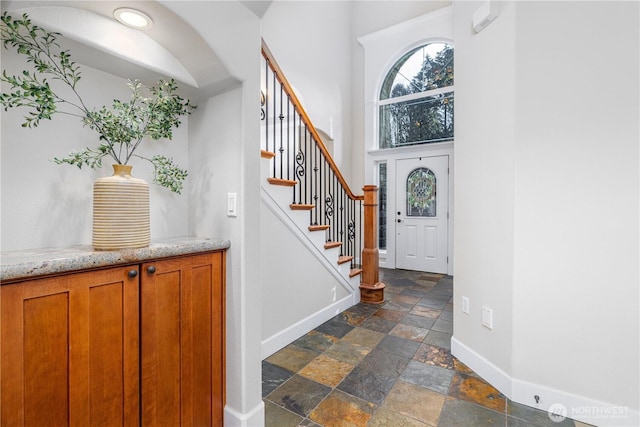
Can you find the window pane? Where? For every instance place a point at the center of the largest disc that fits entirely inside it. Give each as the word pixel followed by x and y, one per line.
pixel 424 68
pixel 417 121
pixel 382 206
pixel 421 193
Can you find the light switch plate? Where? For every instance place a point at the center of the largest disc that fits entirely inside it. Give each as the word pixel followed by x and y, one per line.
pixel 232 204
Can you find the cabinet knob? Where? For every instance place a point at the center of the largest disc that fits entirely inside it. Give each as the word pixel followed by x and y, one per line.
pixel 133 273
pixel 151 269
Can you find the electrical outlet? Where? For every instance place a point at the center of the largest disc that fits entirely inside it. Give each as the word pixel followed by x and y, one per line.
pixel 465 305
pixel 487 317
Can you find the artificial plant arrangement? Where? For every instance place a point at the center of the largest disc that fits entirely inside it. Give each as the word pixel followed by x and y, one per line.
pixel 152 112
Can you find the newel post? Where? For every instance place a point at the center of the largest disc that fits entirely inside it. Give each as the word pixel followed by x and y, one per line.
pixel 371 289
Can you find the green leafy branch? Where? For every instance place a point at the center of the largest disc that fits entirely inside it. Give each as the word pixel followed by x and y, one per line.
pixel 152 112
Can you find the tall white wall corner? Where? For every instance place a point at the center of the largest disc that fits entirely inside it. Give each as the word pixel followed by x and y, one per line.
pixel 485 15
pixel 253 418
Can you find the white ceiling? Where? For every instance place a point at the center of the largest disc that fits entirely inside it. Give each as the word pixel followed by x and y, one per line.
pixel 169 49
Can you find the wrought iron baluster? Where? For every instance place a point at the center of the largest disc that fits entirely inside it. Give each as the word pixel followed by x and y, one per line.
pixel 350 230
pixel 288 138
pixel 343 222
pixel 338 212
pixel 307 191
pixel 322 219
pixel 361 237
pixel 315 179
pixel 308 186
pixel 299 167
pixel 291 130
pixel 344 248
pixel 336 208
pixel 265 105
pixel 281 116
pixel 328 200
pixel 274 122
pixel 336 204
pixel 354 213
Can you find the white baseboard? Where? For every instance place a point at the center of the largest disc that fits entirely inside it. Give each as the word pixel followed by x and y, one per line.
pixel 254 418
pixel 576 407
pixel 579 408
pixel 283 338
pixel 481 366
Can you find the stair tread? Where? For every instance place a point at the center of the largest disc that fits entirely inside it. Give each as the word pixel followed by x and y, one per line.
pixel 355 272
pixel 319 227
pixel 301 207
pixel 344 259
pixel 330 245
pixel 283 182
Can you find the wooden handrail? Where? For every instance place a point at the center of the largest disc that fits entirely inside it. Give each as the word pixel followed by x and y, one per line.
pixel 307 121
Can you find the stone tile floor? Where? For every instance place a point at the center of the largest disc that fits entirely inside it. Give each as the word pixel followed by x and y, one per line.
pixel 387 365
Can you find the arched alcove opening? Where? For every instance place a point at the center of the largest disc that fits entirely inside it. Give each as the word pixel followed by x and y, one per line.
pixel 169 48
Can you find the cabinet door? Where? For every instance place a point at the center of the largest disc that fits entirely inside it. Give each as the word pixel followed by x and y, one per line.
pixel 182 337
pixel 70 350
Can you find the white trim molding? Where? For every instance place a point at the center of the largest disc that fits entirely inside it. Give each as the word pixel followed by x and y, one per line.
pixel 390 156
pixel 253 418
pixel 579 408
pixel 276 342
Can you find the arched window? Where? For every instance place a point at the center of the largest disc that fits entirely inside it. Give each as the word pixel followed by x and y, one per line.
pixel 416 99
pixel 421 193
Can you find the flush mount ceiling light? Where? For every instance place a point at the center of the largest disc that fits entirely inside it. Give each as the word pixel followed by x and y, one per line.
pixel 133 18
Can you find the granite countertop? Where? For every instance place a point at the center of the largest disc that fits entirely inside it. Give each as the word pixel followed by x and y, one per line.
pixel 25 264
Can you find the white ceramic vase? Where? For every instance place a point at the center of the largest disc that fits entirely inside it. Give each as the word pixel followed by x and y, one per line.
pixel 120 211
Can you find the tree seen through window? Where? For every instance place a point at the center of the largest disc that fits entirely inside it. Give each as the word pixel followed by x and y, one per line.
pixel 416 99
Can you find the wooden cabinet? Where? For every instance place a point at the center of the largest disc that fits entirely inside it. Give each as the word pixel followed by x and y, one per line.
pixel 129 345
pixel 70 350
pixel 182 326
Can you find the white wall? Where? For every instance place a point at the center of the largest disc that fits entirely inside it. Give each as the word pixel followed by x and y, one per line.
pixel 484 174
pixel 576 210
pixel 296 285
pixel 311 42
pixel 547 190
pixel 50 205
pixel 225 150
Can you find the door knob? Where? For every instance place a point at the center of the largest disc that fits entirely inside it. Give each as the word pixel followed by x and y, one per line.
pixel 132 273
pixel 399 220
pixel 399 213
pixel 151 269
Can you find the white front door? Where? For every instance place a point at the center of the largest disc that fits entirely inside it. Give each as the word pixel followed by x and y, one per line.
pixel 422 192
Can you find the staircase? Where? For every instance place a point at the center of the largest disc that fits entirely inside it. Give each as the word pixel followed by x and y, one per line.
pixel 276 195
pixel 304 193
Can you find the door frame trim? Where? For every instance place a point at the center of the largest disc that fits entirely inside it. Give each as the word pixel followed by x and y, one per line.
pixel 389 156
